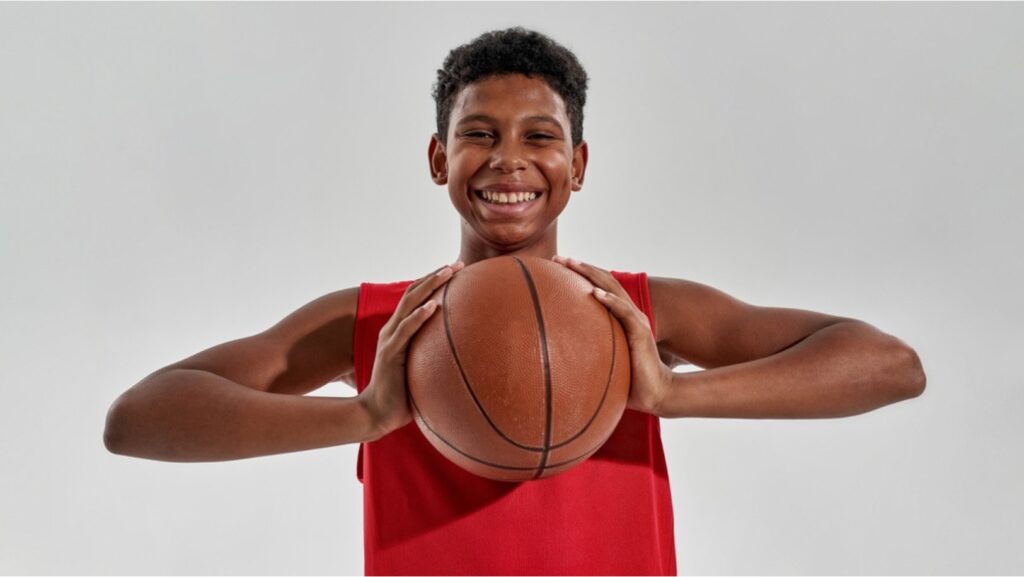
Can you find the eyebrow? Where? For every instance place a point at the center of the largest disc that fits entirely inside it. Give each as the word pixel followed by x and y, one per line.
pixel 475 118
pixel 485 118
pixel 544 118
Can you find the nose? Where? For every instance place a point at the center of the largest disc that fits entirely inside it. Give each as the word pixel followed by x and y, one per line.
pixel 507 157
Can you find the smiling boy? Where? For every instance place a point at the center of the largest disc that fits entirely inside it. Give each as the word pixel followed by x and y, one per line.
pixel 510 150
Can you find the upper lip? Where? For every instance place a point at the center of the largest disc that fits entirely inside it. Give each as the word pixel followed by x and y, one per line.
pixel 510 187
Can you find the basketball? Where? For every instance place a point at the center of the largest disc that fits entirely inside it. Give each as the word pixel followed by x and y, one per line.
pixel 521 373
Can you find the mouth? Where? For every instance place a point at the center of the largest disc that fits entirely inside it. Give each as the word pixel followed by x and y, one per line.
pixel 508 199
pixel 508 204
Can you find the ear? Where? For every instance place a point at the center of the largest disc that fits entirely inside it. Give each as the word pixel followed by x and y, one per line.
pixel 579 164
pixel 438 158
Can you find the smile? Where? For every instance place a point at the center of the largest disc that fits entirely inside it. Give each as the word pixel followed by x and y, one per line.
pixel 495 197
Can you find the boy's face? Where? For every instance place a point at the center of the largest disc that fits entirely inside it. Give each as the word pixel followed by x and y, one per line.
pixel 510 134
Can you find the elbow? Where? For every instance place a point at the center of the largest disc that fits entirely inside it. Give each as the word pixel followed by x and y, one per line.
pixel 115 430
pixel 913 380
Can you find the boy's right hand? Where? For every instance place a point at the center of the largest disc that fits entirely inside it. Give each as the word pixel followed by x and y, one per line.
pixel 386 395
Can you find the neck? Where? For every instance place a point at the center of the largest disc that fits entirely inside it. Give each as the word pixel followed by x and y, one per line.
pixel 475 250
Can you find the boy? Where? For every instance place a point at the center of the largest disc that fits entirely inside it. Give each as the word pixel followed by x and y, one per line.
pixel 509 148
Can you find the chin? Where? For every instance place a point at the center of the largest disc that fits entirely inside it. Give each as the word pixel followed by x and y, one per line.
pixel 508 244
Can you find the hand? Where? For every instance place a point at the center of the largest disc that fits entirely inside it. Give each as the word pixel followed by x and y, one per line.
pixel 386 395
pixel 651 378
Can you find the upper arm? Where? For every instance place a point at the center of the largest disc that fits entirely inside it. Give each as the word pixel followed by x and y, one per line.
pixel 711 329
pixel 301 353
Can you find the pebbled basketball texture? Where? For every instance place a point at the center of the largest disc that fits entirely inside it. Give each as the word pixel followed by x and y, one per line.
pixel 521 373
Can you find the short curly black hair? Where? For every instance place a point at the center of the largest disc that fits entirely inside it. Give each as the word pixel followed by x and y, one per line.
pixel 512 51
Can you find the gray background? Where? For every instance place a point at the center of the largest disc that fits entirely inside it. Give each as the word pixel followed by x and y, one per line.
pixel 176 176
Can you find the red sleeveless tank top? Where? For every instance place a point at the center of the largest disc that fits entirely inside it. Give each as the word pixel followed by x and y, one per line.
pixel 423 515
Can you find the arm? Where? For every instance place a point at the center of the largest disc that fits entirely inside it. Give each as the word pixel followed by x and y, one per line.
pixel 762 362
pixel 192 415
pixel 765 362
pixel 243 398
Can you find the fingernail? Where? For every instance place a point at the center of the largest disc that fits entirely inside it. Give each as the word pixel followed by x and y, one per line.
pixel 573 261
pixel 599 292
pixel 446 270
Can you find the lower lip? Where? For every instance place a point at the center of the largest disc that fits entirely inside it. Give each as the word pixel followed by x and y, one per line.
pixel 508 209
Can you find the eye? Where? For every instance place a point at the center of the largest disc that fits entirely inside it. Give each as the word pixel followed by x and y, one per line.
pixel 541 137
pixel 476 134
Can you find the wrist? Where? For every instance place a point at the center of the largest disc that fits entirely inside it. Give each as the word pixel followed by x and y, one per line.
pixel 385 413
pixel 671 403
pixel 667 383
pixel 649 397
pixel 376 425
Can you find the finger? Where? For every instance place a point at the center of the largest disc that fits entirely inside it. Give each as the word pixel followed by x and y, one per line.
pixel 634 321
pixel 596 275
pixel 427 277
pixel 419 291
pixel 399 341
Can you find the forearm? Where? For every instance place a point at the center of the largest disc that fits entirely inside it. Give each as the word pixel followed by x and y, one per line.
pixel 844 369
pixel 191 415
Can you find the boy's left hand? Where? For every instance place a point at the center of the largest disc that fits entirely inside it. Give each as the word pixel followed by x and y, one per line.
pixel 651 378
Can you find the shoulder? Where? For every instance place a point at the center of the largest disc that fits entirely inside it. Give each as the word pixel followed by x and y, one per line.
pixel 302 352
pixel 687 313
pixel 675 301
pixel 340 304
pixel 319 337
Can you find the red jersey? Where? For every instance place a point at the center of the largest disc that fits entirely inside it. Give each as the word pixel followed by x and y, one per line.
pixel 423 515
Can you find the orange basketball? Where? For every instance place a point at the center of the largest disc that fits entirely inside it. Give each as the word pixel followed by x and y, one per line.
pixel 521 373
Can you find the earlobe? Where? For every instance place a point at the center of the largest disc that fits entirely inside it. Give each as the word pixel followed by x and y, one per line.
pixel 438 159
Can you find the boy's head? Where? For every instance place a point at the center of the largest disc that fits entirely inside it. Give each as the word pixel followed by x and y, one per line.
pixel 509 144
pixel 512 51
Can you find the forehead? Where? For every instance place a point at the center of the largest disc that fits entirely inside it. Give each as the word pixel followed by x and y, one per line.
pixel 509 96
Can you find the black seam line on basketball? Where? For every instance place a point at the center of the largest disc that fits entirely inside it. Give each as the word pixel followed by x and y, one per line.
pixel 465 379
pixel 547 366
pixel 604 395
pixel 495 465
pixel 458 450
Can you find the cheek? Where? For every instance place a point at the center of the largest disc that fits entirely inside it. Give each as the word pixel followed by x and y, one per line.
pixel 464 165
pixel 557 168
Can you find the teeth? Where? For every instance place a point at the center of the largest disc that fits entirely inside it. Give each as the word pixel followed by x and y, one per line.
pixel 508 198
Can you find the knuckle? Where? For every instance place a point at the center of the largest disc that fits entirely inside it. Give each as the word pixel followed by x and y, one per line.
pixel 405 326
pixel 387 351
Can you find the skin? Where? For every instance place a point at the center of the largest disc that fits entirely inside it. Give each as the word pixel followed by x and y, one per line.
pixel 245 398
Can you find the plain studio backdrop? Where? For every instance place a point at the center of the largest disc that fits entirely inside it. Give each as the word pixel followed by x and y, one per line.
pixel 173 176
